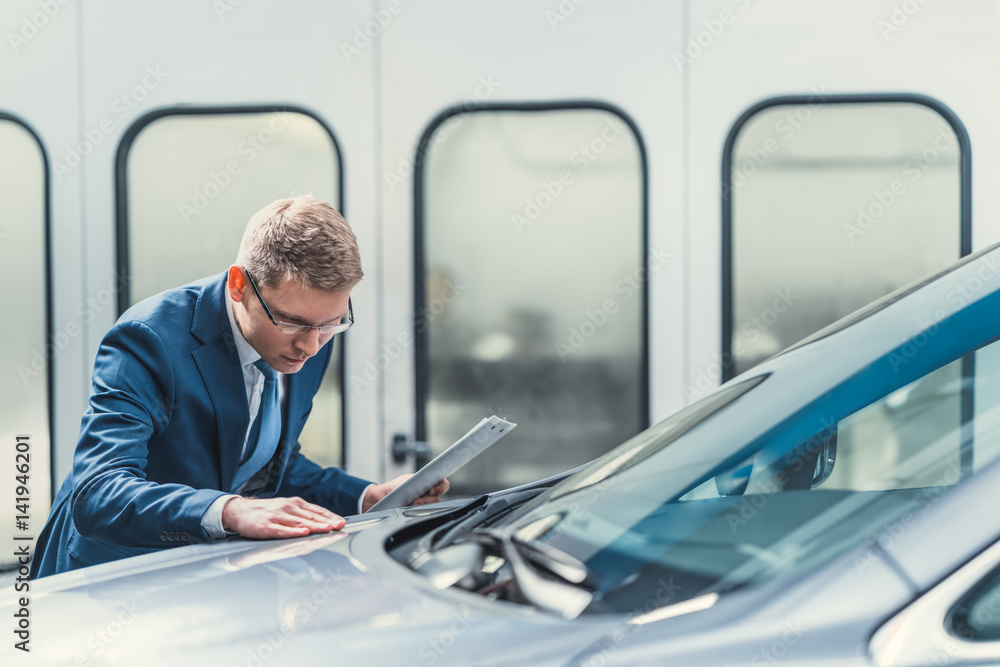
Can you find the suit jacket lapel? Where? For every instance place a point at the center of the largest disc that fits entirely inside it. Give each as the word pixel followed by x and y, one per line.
pixel 219 365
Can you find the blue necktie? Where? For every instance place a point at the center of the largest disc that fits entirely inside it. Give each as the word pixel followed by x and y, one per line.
pixel 262 441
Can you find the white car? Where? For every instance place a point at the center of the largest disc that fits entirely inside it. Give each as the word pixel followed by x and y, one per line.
pixel 835 505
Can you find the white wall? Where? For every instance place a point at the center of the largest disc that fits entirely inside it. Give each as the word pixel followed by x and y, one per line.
pixel 378 94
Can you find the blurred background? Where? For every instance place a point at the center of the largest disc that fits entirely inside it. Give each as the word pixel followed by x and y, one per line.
pixel 579 215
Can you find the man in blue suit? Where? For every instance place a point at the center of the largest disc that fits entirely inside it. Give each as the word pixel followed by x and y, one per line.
pixel 199 395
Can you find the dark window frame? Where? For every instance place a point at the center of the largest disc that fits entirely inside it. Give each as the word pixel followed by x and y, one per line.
pixel 421 343
pixel 965 185
pixel 49 317
pixel 122 269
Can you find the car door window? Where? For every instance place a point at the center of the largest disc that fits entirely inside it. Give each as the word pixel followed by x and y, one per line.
pixel 532 277
pixel 29 342
pixel 831 202
pixel 188 182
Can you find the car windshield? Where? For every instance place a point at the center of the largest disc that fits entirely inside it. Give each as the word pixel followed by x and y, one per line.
pixel 686 510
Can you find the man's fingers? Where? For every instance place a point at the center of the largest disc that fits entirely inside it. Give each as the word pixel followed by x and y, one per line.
pixel 264 528
pixel 279 530
pixel 314 509
pixel 317 518
pixel 288 525
pixel 325 520
pixel 434 494
pixel 440 488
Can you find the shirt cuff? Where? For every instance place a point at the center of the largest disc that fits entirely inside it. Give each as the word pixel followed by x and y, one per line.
pixel 211 520
pixel 361 500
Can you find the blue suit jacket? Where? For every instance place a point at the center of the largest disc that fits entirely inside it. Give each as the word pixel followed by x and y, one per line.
pixel 163 434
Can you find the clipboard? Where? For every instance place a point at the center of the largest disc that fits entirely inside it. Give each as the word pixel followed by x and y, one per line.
pixel 466 448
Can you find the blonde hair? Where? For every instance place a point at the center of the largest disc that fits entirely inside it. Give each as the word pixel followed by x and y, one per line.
pixel 301 239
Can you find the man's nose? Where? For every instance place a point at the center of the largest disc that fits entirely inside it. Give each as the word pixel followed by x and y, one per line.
pixel 309 342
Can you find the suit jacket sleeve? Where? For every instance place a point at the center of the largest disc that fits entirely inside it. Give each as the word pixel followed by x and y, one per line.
pixel 134 389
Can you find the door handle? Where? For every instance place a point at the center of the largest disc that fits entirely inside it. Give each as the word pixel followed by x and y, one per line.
pixel 403 446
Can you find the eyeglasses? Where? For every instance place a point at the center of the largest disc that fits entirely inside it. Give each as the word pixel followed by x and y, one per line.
pixel 287 327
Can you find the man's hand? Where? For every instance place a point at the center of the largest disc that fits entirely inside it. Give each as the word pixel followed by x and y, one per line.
pixel 277 517
pixel 377 492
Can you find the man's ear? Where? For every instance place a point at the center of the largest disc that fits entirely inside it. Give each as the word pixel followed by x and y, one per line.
pixel 236 283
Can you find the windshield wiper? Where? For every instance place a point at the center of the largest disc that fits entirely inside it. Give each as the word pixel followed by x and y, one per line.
pixel 559 563
pixel 563 595
pixel 489 512
pixel 456 562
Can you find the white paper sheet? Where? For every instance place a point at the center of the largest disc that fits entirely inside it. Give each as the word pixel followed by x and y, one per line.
pixel 468 447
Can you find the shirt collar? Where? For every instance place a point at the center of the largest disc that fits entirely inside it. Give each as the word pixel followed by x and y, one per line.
pixel 248 355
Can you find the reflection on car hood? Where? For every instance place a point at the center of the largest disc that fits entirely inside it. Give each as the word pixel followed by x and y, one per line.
pixel 277 602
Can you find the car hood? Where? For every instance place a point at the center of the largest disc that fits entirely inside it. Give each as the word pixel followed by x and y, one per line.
pixel 282 602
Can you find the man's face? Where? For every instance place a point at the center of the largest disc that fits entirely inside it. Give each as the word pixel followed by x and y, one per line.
pixel 288 301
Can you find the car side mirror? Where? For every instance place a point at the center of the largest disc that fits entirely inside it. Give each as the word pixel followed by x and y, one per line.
pixel 734 482
pixel 826 456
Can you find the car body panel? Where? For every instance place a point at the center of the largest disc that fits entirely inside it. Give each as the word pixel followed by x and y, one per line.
pixel 339 596
pixel 227 605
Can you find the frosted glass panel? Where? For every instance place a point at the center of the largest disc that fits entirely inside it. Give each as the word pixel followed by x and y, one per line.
pixel 27 350
pixel 535 280
pixel 193 183
pixel 834 206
